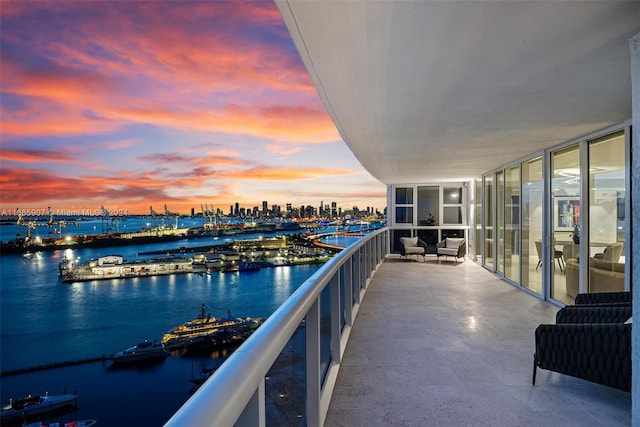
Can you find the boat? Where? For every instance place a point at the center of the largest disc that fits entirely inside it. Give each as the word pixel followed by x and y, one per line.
pixel 78 423
pixel 142 351
pixel 243 266
pixel 20 409
pixel 209 331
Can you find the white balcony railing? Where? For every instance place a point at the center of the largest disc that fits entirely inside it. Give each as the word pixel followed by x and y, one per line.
pixel 235 394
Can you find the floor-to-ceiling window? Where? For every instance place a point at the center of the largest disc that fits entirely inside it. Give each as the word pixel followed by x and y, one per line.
pixel 512 223
pixel 478 199
pixel 556 223
pixel 430 212
pixel 565 210
pixel 488 205
pixel 532 216
pixel 499 225
pixel 607 221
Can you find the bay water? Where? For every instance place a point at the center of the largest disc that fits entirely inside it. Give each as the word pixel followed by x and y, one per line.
pixel 43 320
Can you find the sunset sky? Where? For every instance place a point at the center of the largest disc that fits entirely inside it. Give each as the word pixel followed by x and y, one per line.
pixel 131 104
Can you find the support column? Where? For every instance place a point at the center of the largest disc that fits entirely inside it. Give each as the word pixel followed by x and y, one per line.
pixel 634 49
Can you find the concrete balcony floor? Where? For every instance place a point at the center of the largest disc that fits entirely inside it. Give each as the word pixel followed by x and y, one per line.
pixel 446 344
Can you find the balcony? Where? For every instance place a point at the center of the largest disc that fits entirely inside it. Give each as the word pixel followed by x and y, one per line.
pixel 422 343
pixel 439 344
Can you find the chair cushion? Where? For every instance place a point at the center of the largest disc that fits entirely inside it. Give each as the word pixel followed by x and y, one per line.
pixel 414 250
pixel 453 242
pixel 409 242
pixel 448 251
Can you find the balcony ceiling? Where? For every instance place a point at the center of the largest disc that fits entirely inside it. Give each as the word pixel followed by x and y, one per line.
pixel 425 91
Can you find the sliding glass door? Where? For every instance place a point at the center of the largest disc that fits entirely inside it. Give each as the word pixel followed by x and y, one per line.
pixel 607 208
pixel 512 223
pixel 532 216
pixel 565 222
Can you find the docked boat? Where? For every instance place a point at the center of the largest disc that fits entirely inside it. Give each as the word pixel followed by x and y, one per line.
pixel 78 423
pixel 243 266
pixel 142 351
pixel 209 331
pixel 29 406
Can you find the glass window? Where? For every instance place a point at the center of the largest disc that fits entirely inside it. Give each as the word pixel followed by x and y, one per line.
pixel 478 200
pixel 607 225
pixel 500 221
pixel 512 223
pixel 452 202
pixel 452 215
pixel 428 205
pixel 395 239
pixel 430 237
pixel 565 205
pixel 452 195
pixel 488 220
pixel 531 224
pixel 404 196
pixel 404 215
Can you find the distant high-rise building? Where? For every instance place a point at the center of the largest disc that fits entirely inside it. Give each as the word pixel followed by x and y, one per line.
pixel 334 209
pixel 231 210
pixel 237 209
pixel 264 207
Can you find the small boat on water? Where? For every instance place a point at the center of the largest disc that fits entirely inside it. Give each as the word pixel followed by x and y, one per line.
pixel 142 351
pixel 243 266
pixel 78 423
pixel 208 331
pixel 29 406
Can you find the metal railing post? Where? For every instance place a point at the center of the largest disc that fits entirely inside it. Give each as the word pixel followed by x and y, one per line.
pixel 254 413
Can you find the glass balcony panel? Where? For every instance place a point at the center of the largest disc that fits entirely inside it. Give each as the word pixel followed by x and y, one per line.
pixel 343 299
pixel 285 384
pixel 325 332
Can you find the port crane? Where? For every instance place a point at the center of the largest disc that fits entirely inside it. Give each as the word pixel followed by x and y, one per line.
pixel 208 213
pixel 171 215
pixel 109 221
pixel 58 226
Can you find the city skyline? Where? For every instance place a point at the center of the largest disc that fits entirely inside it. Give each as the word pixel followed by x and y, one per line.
pixel 139 104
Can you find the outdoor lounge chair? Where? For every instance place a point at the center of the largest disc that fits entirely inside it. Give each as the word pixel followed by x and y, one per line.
pixel 592 351
pixel 412 246
pixel 452 246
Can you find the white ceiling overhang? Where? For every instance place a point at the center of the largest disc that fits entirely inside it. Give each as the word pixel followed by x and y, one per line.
pixel 426 91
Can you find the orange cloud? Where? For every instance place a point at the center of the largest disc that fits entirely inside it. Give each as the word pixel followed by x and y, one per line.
pixel 281 151
pixel 34 156
pixel 284 174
